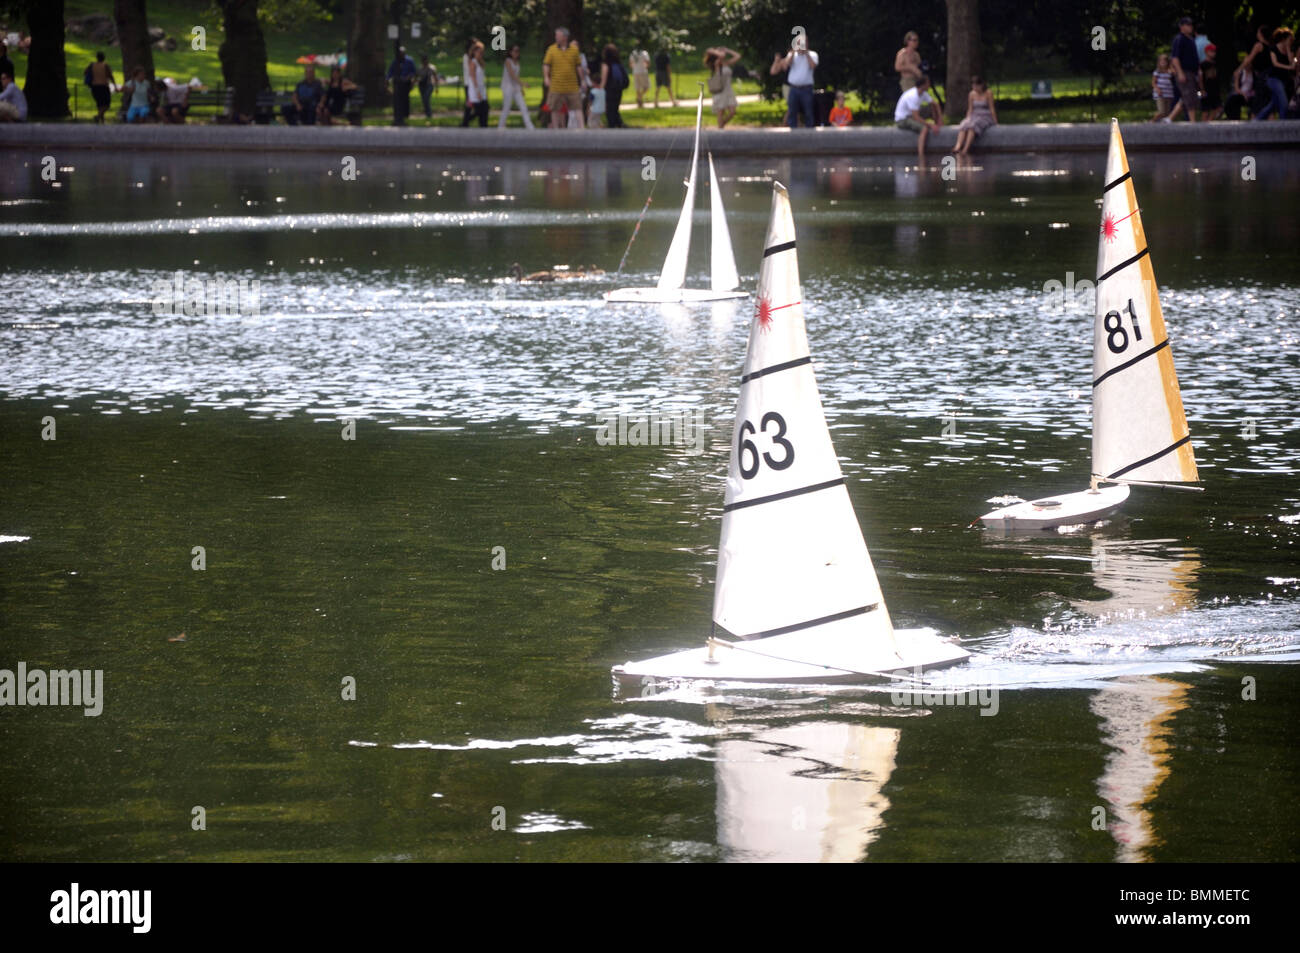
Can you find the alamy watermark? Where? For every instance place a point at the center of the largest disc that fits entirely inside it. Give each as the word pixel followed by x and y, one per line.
pixel 193 297
pixel 681 428
pixel 932 693
pixel 77 687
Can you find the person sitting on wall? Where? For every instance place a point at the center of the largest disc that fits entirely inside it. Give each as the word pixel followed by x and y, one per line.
pixel 909 113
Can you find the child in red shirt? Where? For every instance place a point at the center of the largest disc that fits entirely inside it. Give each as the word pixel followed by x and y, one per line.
pixel 840 115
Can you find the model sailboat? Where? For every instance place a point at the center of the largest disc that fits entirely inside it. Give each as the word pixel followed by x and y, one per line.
pixel 795 590
pixel 672 280
pixel 1139 430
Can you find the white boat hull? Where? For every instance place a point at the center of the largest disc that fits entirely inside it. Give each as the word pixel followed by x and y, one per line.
pixel 670 295
pixel 800 657
pixel 1086 506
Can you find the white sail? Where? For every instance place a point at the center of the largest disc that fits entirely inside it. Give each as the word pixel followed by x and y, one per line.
pixel 791 557
pixel 674 274
pixel 723 263
pixel 1139 430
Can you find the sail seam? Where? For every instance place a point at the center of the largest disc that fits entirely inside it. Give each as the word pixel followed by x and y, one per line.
pixel 1129 363
pixel 824 620
pixel 783 495
pixel 1155 456
pixel 788 246
pixel 1122 265
pixel 798 362
pixel 1123 178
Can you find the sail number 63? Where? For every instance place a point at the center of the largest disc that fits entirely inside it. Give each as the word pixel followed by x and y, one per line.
pixel 1116 333
pixel 778 437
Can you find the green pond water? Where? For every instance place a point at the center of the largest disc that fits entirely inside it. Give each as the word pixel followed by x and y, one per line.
pixel 1145 670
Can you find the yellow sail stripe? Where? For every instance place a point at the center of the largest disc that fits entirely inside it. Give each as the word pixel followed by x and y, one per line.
pixel 1168 376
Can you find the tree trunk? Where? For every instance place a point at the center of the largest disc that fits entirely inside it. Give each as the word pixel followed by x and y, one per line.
pixel 46 88
pixel 368 50
pixel 964 59
pixel 243 54
pixel 133 34
pixel 564 13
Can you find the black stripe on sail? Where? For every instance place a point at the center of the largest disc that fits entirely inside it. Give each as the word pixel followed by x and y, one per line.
pixel 1129 363
pixel 1122 265
pixel 1123 178
pixel 1145 460
pixel 788 246
pixel 763 372
pixel 783 496
pixel 849 614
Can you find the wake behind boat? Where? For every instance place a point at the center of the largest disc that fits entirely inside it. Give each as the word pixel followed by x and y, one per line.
pixel 795 583
pixel 1139 429
pixel 672 280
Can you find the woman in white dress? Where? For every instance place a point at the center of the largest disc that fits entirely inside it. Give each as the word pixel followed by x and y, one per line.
pixel 512 90
pixel 719 60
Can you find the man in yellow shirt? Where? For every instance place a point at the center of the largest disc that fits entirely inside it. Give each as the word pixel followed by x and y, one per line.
pixel 560 72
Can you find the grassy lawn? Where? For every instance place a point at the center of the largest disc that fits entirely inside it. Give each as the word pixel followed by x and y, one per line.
pixel 1072 102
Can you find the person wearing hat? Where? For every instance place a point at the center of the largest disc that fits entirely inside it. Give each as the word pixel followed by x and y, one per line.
pixel 1212 98
pixel 1187 67
pixel 401 75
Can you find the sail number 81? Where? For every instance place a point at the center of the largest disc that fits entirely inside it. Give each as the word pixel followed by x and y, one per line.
pixel 747 446
pixel 1116 333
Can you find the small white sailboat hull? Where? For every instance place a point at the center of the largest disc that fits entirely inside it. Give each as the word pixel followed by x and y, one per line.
pixel 670 295
pixel 800 658
pixel 1070 509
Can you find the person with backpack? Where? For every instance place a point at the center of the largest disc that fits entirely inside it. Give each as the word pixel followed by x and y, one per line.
pixel 718 60
pixel 613 80
pixel 99 77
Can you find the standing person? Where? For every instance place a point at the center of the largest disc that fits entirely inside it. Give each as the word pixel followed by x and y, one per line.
pixel 560 73
pixel 719 60
pixel 909 114
pixel 664 76
pixel 6 64
pixel 798 64
pixel 99 76
pixel 584 89
pixel 401 77
pixel 1278 69
pixel 613 80
pixel 137 91
pixel 1186 67
pixel 1212 102
pixel 1202 40
pixel 907 61
pixel 428 83
pixel 981 112
pixel 512 90
pixel 13 104
pixel 639 60
pixel 1243 91
pixel 1162 88
pixel 476 88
